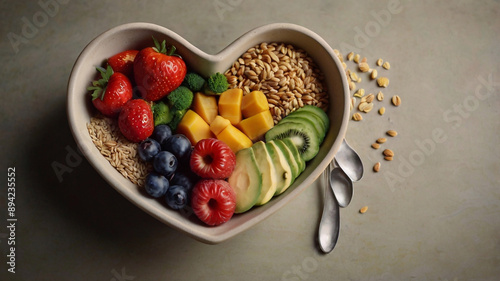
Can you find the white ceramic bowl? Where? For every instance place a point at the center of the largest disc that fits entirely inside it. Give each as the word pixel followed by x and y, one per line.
pixel 137 36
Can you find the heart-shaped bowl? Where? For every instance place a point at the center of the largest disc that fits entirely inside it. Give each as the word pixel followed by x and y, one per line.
pixel 139 35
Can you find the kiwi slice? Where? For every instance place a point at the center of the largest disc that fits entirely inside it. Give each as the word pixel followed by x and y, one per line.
pixel 314 120
pixel 303 134
pixel 316 111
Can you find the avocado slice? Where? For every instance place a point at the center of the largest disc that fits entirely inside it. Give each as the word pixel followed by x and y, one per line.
pixel 268 170
pixel 281 164
pixel 246 180
pixel 291 159
pixel 296 154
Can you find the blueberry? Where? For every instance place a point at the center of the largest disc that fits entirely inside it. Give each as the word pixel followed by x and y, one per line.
pixel 165 163
pixel 161 133
pixel 187 179
pixel 148 149
pixel 176 197
pixel 179 145
pixel 156 185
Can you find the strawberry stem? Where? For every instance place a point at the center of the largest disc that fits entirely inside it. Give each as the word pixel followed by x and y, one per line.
pixel 98 87
pixel 162 48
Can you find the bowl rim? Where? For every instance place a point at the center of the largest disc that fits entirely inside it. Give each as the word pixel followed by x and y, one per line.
pixel 210 237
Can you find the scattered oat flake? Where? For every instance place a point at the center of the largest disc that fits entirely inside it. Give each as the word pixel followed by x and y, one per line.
pixel 383 82
pixel 396 100
pixel 357 117
pixel 356 58
pixel 392 133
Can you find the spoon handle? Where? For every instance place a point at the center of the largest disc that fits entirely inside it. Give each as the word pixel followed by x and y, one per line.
pixel 329 225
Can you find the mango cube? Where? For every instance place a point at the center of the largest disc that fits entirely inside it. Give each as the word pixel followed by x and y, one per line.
pixel 253 103
pixel 194 127
pixel 234 138
pixel 256 126
pixel 205 106
pixel 230 105
pixel 219 124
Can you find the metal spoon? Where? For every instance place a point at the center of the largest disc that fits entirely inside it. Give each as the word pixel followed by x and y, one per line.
pixel 349 161
pixel 341 185
pixel 329 226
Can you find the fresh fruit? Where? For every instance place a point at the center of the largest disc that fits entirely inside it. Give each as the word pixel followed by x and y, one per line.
pixel 111 92
pixel 136 120
pixel 176 197
pixel 194 127
pixel 156 185
pixel 234 138
pixel 253 103
pixel 161 133
pixel 213 201
pixel 205 106
pixel 148 149
pixel 212 158
pixel 180 146
pixel 185 178
pixel 289 156
pixel 295 154
pixel 230 105
pixel 157 71
pixel 165 163
pixel 256 126
pixel 312 120
pixel 266 166
pixel 246 180
pixel 303 135
pixel 283 173
pixel 124 62
pixel 218 124
pixel 315 111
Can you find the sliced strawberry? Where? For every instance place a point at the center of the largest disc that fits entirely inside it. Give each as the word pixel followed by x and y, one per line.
pixel 212 158
pixel 158 71
pixel 213 201
pixel 136 120
pixel 111 92
pixel 124 62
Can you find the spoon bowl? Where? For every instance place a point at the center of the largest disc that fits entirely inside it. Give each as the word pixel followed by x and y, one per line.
pixel 347 159
pixel 341 186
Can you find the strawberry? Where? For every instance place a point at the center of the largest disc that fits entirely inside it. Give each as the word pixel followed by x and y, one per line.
pixel 124 63
pixel 213 201
pixel 158 72
pixel 212 158
pixel 110 92
pixel 136 120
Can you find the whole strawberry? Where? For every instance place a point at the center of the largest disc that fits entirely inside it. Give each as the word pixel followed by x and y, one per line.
pixel 158 71
pixel 123 62
pixel 110 92
pixel 136 120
